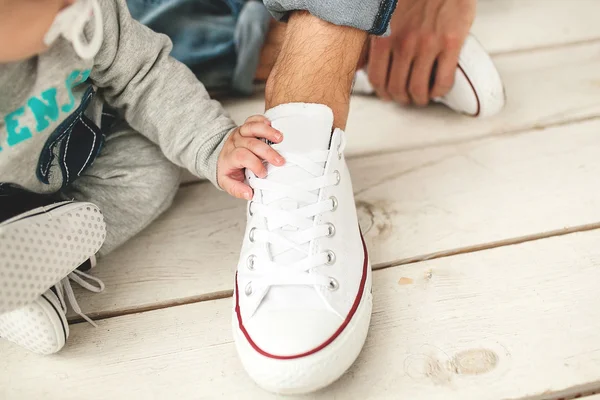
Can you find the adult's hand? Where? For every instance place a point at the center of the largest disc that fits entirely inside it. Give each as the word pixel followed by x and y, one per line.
pixel 426 38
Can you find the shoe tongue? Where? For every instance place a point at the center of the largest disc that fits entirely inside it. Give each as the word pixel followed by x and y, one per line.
pixel 305 128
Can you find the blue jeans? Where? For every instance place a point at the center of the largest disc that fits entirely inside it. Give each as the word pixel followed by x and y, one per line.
pixel 220 40
pixel 372 16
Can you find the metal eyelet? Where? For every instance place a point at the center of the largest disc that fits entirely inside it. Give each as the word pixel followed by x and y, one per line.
pixel 338 177
pixel 250 262
pixel 335 203
pixel 248 289
pixel 333 284
pixel 330 229
pixel 330 257
pixel 250 208
pixel 251 234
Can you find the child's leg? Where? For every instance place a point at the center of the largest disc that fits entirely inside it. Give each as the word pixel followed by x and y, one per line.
pixel 131 182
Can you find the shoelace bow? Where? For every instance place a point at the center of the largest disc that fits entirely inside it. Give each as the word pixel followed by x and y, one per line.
pixel 84 280
pixel 298 223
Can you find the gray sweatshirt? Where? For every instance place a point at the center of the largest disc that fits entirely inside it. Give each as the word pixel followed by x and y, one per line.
pixel 133 73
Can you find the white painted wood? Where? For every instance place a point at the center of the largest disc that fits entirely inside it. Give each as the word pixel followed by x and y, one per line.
pixel 506 323
pixel 411 203
pixel 543 87
pixel 509 25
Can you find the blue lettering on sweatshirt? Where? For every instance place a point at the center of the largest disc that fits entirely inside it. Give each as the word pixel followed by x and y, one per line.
pixel 15 134
pixel 45 109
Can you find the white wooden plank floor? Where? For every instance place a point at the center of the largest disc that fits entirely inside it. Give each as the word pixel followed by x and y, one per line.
pixel 509 322
pixel 411 204
pixel 484 235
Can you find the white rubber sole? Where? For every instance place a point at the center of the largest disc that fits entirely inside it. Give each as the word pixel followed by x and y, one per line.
pixel 42 246
pixel 313 372
pixel 40 327
pixel 483 78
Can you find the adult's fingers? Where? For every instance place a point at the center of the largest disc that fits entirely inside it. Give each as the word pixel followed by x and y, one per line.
pixel 244 158
pixel 402 59
pixel 379 60
pixel 447 63
pixel 258 129
pixel 420 75
pixel 236 188
pixel 262 150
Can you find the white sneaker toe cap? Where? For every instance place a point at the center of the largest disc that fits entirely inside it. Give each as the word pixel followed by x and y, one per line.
pixel 291 333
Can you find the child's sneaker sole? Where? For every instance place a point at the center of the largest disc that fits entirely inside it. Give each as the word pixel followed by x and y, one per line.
pixel 42 246
pixel 40 327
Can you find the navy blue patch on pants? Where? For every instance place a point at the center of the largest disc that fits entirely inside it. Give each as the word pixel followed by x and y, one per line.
pixel 75 144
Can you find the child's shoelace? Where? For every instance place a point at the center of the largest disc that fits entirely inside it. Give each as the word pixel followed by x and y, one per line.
pixel 84 280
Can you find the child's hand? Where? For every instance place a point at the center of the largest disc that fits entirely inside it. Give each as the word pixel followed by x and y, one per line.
pixel 244 149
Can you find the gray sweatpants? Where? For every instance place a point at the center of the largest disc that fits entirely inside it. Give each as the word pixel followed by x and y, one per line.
pixel 131 181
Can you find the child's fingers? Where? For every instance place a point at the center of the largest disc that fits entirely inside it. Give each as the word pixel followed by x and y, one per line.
pixel 258 118
pixel 236 188
pixel 244 158
pixel 262 150
pixel 260 130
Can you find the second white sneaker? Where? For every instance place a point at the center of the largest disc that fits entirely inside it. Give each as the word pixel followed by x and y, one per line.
pixel 478 90
pixel 302 302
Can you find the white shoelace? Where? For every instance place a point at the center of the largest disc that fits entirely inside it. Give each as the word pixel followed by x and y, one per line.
pixel 298 224
pixel 84 280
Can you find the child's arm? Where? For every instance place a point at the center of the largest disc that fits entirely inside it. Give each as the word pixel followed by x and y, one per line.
pixel 158 96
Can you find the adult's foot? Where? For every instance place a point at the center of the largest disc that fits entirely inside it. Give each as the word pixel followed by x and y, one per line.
pixel 302 302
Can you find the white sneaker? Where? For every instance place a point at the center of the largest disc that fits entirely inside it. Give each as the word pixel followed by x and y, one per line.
pixel 302 302
pixel 478 90
pixel 42 246
pixel 41 327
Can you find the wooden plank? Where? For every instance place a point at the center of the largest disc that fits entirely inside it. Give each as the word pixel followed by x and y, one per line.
pixel 543 88
pixel 513 25
pixel 512 322
pixel 410 204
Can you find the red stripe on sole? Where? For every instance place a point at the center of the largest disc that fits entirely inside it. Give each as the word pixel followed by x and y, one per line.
pixel 355 305
pixel 473 88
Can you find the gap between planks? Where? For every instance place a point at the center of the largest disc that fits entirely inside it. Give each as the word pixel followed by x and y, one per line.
pixel 589 391
pixel 223 294
pixel 451 142
pixel 475 139
pixel 545 47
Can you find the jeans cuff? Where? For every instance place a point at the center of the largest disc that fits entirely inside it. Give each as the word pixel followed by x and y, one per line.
pixel 372 16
